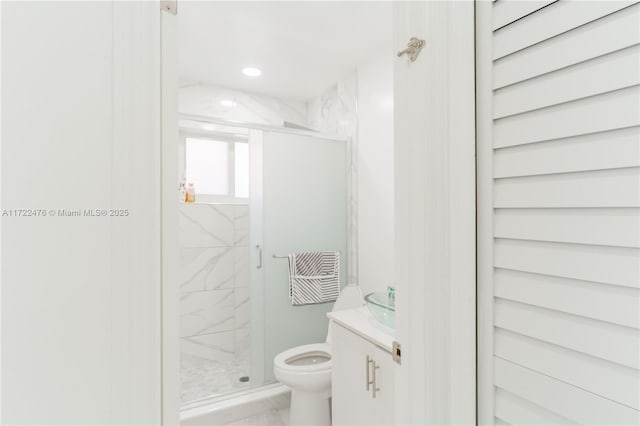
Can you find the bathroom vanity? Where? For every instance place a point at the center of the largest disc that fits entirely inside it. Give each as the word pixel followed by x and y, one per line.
pixel 363 370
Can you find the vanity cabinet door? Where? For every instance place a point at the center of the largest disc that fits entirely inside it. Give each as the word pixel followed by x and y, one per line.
pixel 384 402
pixel 352 403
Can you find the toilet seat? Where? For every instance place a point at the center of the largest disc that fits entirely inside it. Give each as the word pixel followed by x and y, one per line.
pixel 305 359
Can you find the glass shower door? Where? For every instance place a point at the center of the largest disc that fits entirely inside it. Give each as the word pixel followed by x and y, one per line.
pixel 302 204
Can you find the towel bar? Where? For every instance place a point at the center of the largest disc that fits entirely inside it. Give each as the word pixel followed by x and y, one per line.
pixel 275 256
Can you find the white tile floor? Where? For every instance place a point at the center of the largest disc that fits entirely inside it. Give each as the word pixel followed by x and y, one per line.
pixel 269 418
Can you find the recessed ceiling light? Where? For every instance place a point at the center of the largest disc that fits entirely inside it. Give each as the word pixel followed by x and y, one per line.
pixel 227 103
pixel 251 72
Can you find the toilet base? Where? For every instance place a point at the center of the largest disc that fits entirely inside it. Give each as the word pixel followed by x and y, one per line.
pixel 309 409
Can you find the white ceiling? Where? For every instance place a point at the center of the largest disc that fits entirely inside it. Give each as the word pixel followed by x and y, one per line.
pixel 302 47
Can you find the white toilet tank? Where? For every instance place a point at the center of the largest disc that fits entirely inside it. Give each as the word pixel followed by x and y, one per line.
pixel 350 297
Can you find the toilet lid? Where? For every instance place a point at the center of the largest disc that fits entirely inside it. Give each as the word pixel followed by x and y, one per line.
pixel 306 358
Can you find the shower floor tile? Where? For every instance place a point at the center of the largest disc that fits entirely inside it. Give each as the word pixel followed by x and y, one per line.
pixel 201 378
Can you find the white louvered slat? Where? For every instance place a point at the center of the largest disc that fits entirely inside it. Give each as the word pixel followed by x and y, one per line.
pixel 563 399
pixel 519 411
pixel 603 188
pixel 506 12
pixel 610 265
pixel 610 303
pixel 607 341
pixel 612 149
pixel 609 227
pixel 613 110
pixel 561 313
pixel 602 378
pixel 556 19
pixel 608 34
pixel 606 73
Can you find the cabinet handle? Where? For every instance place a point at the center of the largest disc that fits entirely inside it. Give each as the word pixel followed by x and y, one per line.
pixel 375 387
pixel 371 377
pixel 369 382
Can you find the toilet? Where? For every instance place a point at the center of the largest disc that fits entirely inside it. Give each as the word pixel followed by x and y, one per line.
pixel 306 370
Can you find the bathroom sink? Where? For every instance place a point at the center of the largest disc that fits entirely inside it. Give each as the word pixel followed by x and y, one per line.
pixel 378 304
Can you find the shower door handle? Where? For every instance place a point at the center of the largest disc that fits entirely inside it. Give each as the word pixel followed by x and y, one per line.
pixel 259 250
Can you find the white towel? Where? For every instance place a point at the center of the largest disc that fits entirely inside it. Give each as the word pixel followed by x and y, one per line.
pixel 314 277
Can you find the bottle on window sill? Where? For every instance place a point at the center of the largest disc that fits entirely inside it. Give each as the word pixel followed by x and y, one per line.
pixel 182 192
pixel 191 194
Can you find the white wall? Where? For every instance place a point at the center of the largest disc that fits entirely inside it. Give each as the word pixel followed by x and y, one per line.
pixel 80 295
pixel 375 173
pixel 360 107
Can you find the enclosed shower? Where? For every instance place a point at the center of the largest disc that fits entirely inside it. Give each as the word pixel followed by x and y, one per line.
pixel 262 192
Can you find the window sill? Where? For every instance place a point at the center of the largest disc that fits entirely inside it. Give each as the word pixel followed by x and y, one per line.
pixel 233 203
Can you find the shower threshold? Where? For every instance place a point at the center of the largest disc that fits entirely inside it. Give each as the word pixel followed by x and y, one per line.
pixel 235 406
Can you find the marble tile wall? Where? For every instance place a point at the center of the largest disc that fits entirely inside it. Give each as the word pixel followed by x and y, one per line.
pixel 240 106
pixel 214 298
pixel 336 111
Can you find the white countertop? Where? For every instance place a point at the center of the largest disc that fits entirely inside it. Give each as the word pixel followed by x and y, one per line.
pixel 361 322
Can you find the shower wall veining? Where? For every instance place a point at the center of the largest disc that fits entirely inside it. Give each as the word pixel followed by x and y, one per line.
pixel 214 298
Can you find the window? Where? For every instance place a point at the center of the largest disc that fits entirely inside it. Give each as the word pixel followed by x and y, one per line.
pixel 219 169
pixel 207 166
pixel 241 170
